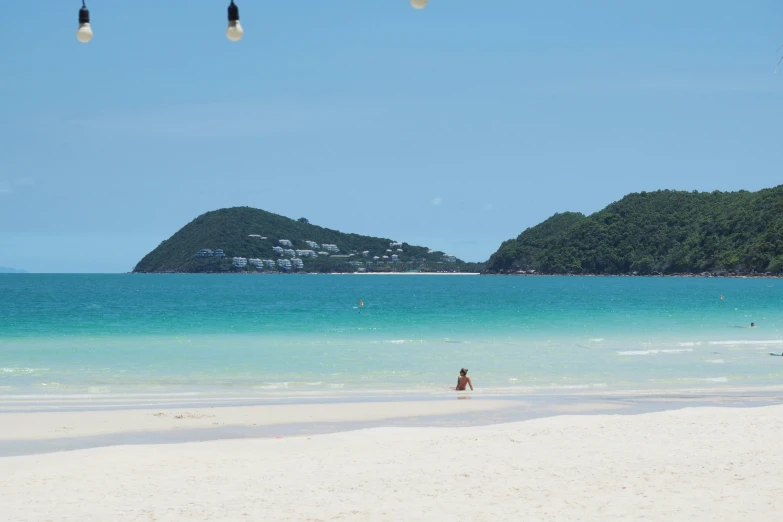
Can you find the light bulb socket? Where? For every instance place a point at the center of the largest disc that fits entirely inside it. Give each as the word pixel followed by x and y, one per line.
pixel 84 16
pixel 233 12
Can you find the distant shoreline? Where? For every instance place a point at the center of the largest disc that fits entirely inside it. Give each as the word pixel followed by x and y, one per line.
pixel 699 276
pixel 695 276
pixel 417 273
pixel 313 273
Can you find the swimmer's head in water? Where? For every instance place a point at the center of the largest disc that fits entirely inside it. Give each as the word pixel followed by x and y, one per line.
pixel 752 325
pixel 463 371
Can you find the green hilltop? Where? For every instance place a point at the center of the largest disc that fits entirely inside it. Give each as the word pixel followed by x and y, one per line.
pixel 252 234
pixel 664 232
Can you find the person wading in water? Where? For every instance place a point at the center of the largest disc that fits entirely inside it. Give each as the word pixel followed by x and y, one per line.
pixel 463 380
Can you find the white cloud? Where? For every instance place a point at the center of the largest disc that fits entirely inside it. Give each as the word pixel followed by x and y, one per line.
pixel 436 200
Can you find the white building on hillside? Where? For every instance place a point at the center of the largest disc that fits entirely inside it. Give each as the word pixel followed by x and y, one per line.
pixel 392 245
pixel 366 253
pixel 312 244
pixel 449 258
pixel 290 252
pixel 395 258
pixel 240 262
pixel 326 254
pixel 306 253
pixel 256 262
pixel 297 263
pixel 269 263
pixel 285 264
pixel 285 243
pixel 278 250
pixel 330 248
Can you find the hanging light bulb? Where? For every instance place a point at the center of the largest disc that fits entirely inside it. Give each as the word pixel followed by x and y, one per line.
pixel 234 31
pixel 419 4
pixel 84 34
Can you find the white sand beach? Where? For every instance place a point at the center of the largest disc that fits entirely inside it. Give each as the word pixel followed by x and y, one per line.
pixel 706 464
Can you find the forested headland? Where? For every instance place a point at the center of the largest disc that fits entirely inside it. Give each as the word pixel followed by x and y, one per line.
pixel 662 232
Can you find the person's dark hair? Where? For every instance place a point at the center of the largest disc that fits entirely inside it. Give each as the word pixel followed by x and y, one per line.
pixel 464 371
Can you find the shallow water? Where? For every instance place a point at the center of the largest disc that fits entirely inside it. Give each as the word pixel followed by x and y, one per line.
pixel 306 336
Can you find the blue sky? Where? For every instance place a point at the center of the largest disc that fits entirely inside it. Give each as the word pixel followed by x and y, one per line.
pixel 454 127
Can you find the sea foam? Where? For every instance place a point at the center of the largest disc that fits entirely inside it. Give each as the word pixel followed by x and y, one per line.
pixel 749 343
pixel 23 371
pixel 654 352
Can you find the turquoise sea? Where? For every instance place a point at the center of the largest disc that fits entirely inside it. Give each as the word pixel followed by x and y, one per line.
pixel 305 335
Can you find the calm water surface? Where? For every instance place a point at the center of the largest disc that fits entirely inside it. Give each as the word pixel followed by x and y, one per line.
pixel 274 335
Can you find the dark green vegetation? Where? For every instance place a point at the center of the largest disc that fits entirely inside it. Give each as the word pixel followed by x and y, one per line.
pixel 231 228
pixel 663 232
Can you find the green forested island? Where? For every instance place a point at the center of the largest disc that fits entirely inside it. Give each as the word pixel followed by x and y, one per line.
pixel 662 232
pixel 211 242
